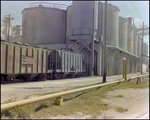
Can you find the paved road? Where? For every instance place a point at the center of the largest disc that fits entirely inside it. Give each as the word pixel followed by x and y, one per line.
pixel 25 90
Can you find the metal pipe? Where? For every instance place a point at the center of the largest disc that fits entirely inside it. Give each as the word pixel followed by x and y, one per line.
pixel 54 95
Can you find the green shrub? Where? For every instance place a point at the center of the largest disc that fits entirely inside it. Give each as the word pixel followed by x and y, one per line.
pixel 16 112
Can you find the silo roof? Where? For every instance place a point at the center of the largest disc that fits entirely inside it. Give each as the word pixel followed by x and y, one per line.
pixel 41 8
pixel 69 6
pixel 123 18
pixel 112 6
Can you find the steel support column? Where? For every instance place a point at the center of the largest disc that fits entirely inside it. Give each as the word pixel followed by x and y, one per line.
pixel 99 60
pixel 132 65
pixel 105 46
pixel 67 42
pixel 92 57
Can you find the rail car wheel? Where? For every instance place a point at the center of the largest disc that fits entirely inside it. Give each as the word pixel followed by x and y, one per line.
pixel 26 77
pixel 40 77
pixel 59 76
pixel 5 78
pixel 12 79
pixel 44 76
pixel 78 76
pixel 49 76
pixel 2 78
pixel 33 79
pixel 54 76
pixel 36 78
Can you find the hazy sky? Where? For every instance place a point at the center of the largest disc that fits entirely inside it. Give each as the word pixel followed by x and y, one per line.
pixel 139 10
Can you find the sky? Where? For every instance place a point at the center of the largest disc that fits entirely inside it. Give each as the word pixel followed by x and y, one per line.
pixel 139 10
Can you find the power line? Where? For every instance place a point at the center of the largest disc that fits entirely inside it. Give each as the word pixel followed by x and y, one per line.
pixel 136 10
pixel 18 17
pixel 126 6
pixel 123 8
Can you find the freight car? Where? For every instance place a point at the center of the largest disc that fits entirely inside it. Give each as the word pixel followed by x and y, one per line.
pixel 22 61
pixel 66 64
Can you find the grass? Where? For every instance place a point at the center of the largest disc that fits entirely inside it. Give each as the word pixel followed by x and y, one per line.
pixel 119 96
pixel 87 102
pixel 108 117
pixel 120 109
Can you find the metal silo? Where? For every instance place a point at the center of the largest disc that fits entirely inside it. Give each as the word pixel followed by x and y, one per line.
pixel 100 19
pixel 69 20
pixel 84 18
pixel 42 25
pixel 130 38
pixel 123 33
pixel 145 48
pixel 135 42
pixel 112 25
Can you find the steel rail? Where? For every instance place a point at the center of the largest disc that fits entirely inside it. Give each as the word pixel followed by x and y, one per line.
pixel 54 95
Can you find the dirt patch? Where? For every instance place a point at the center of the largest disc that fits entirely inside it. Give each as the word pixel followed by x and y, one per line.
pixel 135 100
pixel 78 115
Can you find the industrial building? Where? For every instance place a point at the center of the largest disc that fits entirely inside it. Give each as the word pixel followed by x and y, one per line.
pixel 80 28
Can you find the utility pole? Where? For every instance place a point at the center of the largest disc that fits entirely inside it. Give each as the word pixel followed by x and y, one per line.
pixel 8 26
pixel 105 42
pixel 92 44
pixel 142 48
pixel 7 22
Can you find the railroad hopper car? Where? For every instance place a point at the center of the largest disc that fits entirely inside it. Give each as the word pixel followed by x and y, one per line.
pixel 66 63
pixel 22 61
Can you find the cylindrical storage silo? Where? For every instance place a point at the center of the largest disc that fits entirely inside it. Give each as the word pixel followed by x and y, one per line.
pixel 123 33
pixel 145 48
pixel 42 25
pixel 101 20
pixel 135 43
pixel 69 20
pixel 130 39
pixel 112 25
pixel 84 18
